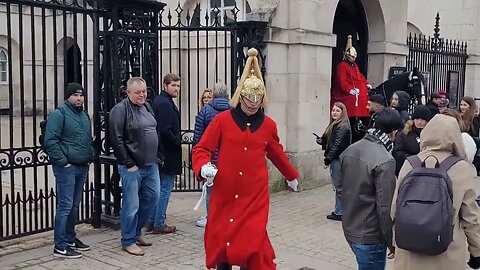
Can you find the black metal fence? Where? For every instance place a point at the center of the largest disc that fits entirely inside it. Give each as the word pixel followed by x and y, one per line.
pixel 40 43
pixel 101 44
pixel 441 61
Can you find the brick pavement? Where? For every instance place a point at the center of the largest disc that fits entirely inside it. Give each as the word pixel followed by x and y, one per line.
pixel 300 233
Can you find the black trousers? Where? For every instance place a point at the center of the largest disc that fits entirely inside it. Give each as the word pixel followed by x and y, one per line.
pixel 226 266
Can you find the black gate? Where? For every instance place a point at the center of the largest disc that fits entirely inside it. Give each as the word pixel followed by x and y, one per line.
pixel 442 62
pixel 43 46
pixel 203 47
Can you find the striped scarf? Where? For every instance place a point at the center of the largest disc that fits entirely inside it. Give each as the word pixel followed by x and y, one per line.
pixel 383 137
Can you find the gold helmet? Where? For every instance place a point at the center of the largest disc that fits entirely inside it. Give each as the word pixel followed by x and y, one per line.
pixel 251 85
pixel 350 50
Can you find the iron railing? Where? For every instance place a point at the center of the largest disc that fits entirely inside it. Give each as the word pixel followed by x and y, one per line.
pixel 42 41
pixel 442 62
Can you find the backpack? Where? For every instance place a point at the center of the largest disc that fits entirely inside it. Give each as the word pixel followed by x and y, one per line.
pixel 43 128
pixel 424 210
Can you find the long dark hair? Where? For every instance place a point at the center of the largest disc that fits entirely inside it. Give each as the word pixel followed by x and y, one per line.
pixel 469 115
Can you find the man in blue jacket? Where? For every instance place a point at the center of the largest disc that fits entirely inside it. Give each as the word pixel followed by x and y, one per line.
pixel 203 119
pixel 168 126
pixel 68 142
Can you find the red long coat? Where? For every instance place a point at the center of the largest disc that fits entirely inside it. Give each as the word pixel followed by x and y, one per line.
pixel 348 76
pixel 236 231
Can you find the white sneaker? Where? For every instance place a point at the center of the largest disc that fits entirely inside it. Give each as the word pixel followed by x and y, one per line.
pixel 202 222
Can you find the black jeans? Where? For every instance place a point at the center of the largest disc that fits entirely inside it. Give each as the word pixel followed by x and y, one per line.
pixel 226 266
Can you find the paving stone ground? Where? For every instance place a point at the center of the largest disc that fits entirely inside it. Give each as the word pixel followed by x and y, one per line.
pixel 300 233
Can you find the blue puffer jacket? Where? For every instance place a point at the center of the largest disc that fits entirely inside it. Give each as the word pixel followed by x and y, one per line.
pixel 206 115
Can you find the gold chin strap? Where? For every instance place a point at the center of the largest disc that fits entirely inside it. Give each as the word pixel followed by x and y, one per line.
pixel 253 88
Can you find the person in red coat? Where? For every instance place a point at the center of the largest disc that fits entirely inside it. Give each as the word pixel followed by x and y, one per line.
pixel 236 231
pixel 351 88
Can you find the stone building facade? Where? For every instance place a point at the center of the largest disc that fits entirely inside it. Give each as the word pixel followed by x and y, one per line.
pixel 305 39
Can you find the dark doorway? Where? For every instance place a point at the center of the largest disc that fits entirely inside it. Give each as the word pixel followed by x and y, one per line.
pixel 73 65
pixel 350 19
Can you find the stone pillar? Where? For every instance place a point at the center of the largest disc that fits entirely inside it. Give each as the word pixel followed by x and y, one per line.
pixel 387 24
pixel 298 83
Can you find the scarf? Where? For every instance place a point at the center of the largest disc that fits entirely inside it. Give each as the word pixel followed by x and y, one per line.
pixel 383 137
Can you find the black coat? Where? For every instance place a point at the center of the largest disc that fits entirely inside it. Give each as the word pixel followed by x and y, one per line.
pixel 433 108
pixel 168 125
pixel 338 141
pixel 405 145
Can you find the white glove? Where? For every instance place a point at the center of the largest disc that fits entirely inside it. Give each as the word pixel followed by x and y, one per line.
pixel 369 86
pixel 293 184
pixel 208 172
pixel 354 92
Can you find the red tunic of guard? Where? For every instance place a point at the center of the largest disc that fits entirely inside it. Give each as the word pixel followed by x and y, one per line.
pixel 348 77
pixel 236 230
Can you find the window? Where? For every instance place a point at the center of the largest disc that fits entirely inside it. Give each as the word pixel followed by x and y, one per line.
pixel 3 66
pixel 225 10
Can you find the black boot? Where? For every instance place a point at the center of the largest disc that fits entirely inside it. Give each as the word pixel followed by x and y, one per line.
pixel 224 266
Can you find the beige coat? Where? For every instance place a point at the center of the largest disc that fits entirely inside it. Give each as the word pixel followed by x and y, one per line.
pixel 441 138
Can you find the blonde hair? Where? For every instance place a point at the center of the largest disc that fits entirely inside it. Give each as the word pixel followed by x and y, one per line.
pixel 409 126
pixel 200 100
pixel 342 119
pixel 252 63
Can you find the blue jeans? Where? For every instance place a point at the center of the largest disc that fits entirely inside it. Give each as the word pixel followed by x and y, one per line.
pixel 139 195
pixel 370 257
pixel 335 171
pixel 157 218
pixel 69 183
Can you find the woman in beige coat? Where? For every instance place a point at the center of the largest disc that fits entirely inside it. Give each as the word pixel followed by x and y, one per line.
pixel 442 138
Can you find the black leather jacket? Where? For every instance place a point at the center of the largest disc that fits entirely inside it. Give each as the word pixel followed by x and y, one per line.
pixel 127 138
pixel 339 141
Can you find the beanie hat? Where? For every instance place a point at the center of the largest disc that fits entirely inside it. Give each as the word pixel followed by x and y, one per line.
pixel 377 98
pixel 422 112
pixel 73 88
pixel 439 94
pixel 388 120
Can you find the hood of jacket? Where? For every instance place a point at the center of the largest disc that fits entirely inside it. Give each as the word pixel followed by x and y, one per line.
pixel 219 104
pixel 443 134
pixel 403 100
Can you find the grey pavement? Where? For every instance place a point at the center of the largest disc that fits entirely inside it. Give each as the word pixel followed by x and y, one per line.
pixel 301 235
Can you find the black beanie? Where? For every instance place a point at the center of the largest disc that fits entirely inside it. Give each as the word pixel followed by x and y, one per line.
pixel 388 120
pixel 73 88
pixel 422 112
pixel 377 98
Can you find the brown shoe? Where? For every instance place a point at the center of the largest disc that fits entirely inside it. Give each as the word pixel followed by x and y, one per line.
pixel 164 230
pixel 148 227
pixel 142 242
pixel 134 250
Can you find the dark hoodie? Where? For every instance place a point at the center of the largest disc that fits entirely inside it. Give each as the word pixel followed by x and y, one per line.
pixel 403 102
pixel 206 115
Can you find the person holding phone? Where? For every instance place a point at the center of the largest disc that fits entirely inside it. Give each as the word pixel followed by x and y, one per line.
pixel 335 140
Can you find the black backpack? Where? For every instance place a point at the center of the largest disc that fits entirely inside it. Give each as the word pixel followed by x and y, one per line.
pixel 424 213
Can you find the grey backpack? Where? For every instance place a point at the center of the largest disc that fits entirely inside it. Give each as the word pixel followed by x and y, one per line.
pixel 424 213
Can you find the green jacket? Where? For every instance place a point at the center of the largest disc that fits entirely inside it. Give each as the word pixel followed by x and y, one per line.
pixel 69 140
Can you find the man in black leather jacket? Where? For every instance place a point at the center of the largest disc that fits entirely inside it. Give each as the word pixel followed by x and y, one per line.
pixel 134 139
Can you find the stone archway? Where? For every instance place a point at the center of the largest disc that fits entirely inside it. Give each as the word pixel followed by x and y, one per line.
pixel 350 19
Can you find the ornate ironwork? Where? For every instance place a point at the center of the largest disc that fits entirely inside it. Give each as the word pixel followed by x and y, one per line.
pixel 439 59
pixel 27 190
